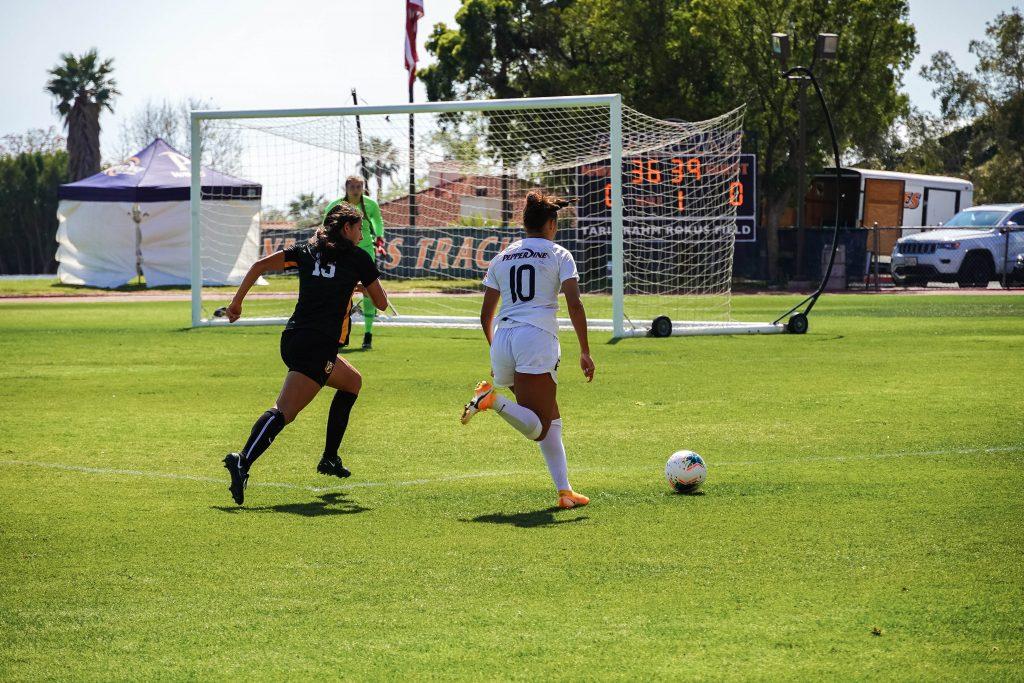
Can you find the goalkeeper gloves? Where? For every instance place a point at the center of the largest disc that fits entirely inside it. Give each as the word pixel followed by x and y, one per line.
pixel 378 244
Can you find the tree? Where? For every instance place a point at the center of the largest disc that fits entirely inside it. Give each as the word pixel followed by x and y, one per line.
pixel 920 142
pixel 690 59
pixel 83 87
pixel 381 159
pixel 992 101
pixel 29 179
pixel 220 146
pixel 272 214
pixel 46 140
pixel 307 209
pixel 456 142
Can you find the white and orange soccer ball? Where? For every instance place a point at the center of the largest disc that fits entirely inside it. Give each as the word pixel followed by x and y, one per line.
pixel 685 471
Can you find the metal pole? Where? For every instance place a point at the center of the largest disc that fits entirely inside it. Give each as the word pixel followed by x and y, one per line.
pixel 615 168
pixel 194 199
pixel 359 140
pixel 801 180
pixel 878 284
pixel 412 163
pixel 1006 257
pixel 506 200
pixel 137 219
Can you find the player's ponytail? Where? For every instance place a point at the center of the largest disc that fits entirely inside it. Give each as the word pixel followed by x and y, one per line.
pixel 540 208
pixel 328 238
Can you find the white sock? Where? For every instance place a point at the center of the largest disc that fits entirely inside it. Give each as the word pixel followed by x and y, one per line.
pixel 554 454
pixel 523 419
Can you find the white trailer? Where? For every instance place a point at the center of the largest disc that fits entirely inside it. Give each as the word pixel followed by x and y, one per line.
pixel 889 199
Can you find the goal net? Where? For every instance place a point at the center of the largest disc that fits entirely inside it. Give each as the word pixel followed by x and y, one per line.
pixel 652 241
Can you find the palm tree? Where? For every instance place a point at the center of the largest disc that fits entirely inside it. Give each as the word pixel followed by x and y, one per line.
pixel 82 86
pixel 381 160
pixel 307 209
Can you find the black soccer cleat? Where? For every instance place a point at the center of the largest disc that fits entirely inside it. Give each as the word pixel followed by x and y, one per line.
pixel 333 467
pixel 367 341
pixel 239 477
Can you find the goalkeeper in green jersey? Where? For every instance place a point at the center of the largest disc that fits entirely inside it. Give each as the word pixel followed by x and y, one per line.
pixel 372 242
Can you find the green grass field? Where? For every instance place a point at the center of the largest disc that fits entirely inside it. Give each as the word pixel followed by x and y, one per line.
pixel 276 284
pixel 862 517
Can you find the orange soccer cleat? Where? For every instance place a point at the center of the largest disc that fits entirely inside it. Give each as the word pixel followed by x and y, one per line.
pixel 483 399
pixel 570 499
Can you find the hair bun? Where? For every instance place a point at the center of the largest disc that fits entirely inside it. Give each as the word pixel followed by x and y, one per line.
pixel 541 208
pixel 538 199
pixel 535 198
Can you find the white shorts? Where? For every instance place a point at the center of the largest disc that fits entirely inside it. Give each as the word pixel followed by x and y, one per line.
pixel 526 349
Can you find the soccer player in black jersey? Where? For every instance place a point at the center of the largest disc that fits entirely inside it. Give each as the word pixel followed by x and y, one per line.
pixel 330 267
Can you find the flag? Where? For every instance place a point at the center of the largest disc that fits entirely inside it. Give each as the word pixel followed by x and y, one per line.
pixel 413 12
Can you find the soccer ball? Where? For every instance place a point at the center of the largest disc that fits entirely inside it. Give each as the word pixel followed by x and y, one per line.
pixel 685 471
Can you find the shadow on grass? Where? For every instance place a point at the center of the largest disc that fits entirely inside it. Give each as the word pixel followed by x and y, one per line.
pixel 526 520
pixel 326 505
pixel 136 286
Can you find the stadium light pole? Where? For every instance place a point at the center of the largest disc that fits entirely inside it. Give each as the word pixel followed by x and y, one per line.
pixel 826 47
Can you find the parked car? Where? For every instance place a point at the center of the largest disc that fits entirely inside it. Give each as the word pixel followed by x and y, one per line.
pixel 975 247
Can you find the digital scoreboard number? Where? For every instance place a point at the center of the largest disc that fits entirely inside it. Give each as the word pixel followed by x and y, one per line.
pixel 667 188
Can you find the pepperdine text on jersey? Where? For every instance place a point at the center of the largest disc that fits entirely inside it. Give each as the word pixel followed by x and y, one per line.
pixel 525 253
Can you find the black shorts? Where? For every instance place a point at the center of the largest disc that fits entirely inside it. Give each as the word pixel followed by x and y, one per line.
pixel 311 353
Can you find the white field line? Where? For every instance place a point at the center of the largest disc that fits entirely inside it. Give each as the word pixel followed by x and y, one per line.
pixel 487 475
pixel 874 456
pixel 268 484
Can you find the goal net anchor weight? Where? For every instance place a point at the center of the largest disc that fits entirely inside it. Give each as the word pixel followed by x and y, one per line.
pixel 653 242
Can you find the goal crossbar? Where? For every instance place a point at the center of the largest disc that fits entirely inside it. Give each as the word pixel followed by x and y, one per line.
pixel 416 108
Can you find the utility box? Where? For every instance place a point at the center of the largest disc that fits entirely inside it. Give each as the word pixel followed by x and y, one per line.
pixel 837 280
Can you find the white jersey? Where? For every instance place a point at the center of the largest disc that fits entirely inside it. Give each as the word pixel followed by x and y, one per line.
pixel 529 274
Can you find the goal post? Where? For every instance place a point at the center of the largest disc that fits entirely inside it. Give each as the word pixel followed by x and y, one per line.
pixel 653 242
pixel 615 161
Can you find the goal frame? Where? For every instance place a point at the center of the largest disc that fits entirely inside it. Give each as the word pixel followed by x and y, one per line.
pixel 612 101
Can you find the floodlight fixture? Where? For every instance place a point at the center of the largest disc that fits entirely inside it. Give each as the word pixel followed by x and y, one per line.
pixel 826 46
pixel 780 48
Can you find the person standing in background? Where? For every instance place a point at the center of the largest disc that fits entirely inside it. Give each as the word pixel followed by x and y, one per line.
pixel 372 242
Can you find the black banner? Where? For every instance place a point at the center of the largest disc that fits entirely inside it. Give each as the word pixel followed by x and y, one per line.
pixel 464 253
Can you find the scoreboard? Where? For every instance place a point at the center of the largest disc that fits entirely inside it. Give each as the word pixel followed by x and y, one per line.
pixel 664 188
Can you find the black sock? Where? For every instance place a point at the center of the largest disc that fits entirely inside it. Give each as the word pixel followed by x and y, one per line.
pixel 337 421
pixel 268 426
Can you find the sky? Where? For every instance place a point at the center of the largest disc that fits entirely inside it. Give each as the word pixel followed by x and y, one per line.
pixel 247 54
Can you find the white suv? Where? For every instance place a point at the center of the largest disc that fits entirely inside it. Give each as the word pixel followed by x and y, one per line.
pixel 975 247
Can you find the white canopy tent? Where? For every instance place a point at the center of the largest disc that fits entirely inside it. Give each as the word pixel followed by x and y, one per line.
pixel 133 219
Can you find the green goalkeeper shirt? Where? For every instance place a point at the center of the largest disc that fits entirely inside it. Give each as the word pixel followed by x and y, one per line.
pixel 373 223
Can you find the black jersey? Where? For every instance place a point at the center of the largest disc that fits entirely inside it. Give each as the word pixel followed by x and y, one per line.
pixel 325 287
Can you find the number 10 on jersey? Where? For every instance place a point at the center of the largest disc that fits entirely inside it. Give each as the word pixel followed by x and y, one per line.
pixel 520 279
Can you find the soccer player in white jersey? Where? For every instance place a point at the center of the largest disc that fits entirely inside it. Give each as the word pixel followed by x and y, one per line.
pixel 525 353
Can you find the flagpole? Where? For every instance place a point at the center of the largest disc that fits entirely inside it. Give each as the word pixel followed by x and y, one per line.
pixel 413 13
pixel 412 160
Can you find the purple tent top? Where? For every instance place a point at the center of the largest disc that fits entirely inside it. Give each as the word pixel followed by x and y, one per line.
pixel 158 173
